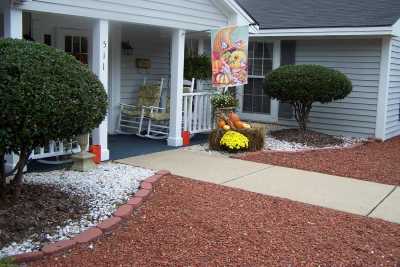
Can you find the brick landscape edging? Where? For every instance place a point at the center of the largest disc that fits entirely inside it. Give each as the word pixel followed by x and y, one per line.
pixel 103 227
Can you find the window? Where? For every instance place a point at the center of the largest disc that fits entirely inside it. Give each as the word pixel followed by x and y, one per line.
pixel 260 64
pixel 78 47
pixel 47 39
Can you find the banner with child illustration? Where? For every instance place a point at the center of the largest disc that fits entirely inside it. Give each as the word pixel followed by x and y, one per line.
pixel 229 56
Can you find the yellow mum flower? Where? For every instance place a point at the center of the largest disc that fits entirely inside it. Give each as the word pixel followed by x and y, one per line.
pixel 234 140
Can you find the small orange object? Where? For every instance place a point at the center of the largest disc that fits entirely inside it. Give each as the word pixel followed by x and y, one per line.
pixel 96 150
pixel 221 123
pixel 233 117
pixel 186 138
pixel 238 124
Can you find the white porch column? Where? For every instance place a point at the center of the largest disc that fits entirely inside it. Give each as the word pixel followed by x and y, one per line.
pixel 12 23
pixel 115 90
pixel 100 68
pixel 177 65
pixel 12 29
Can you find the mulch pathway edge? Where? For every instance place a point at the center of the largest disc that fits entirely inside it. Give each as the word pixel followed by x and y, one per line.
pixel 103 227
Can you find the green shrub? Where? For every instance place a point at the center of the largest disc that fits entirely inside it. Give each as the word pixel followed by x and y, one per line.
pixel 302 85
pixel 45 94
pixel 198 67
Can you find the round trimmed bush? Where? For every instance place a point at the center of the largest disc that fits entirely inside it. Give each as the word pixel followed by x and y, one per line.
pixel 302 85
pixel 45 94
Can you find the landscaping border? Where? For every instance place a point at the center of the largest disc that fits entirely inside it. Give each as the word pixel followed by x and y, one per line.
pixel 370 140
pixel 102 228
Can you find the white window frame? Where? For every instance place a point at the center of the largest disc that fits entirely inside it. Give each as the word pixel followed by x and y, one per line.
pixel 62 32
pixel 260 117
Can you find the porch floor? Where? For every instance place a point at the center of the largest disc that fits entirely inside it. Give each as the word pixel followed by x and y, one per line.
pixel 125 146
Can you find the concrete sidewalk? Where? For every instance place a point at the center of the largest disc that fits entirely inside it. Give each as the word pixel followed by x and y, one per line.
pixel 344 194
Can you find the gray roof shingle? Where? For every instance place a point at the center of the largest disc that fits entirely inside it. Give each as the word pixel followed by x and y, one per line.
pixel 285 14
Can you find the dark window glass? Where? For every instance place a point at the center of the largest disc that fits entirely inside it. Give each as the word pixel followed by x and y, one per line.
pixel 266 105
pixel 254 99
pixel 257 103
pixel 268 47
pixel 47 39
pixel 251 49
pixel 68 44
pixel 84 45
pixel 267 66
pixel 257 67
pixel 247 103
pixel 259 47
pixel 77 44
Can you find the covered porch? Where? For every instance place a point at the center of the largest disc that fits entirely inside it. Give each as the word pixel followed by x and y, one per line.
pixel 111 45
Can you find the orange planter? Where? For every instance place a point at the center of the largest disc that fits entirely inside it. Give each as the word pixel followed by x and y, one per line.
pixel 96 149
pixel 186 138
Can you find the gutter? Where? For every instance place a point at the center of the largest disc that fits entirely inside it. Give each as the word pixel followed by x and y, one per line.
pixel 332 31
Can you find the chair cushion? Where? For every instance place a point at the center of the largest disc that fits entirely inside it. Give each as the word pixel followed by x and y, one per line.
pixel 131 112
pixel 160 116
pixel 149 95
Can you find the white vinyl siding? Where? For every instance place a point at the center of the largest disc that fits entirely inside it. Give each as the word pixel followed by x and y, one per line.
pixel 360 61
pixel 393 106
pixel 185 14
pixel 146 45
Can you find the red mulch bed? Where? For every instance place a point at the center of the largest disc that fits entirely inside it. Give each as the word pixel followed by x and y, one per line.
pixel 374 161
pixel 190 223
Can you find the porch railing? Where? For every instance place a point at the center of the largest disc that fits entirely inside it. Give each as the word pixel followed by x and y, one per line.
pixel 55 148
pixel 197 112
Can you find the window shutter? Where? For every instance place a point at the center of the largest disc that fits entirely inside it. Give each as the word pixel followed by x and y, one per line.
pixel 288 57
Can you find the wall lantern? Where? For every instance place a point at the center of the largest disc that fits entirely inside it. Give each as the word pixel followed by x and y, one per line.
pixel 127 48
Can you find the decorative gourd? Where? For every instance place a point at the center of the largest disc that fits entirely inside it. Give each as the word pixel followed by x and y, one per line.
pixel 233 117
pixel 223 78
pixel 226 127
pixel 239 124
pixel 221 123
pixel 246 125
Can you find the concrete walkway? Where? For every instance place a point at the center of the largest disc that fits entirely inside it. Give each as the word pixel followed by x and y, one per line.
pixel 344 194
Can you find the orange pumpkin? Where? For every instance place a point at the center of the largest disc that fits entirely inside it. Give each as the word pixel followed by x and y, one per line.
pixel 234 117
pixel 221 123
pixel 239 124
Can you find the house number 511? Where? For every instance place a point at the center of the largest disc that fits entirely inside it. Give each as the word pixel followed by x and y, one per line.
pixel 104 53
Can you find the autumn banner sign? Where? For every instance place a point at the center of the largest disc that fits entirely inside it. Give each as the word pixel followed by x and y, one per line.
pixel 229 56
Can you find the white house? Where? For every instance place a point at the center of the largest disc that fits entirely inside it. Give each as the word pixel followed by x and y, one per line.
pixel 360 38
pixel 95 29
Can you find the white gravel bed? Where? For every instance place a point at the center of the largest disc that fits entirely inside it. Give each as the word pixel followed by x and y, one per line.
pixel 106 188
pixel 274 144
